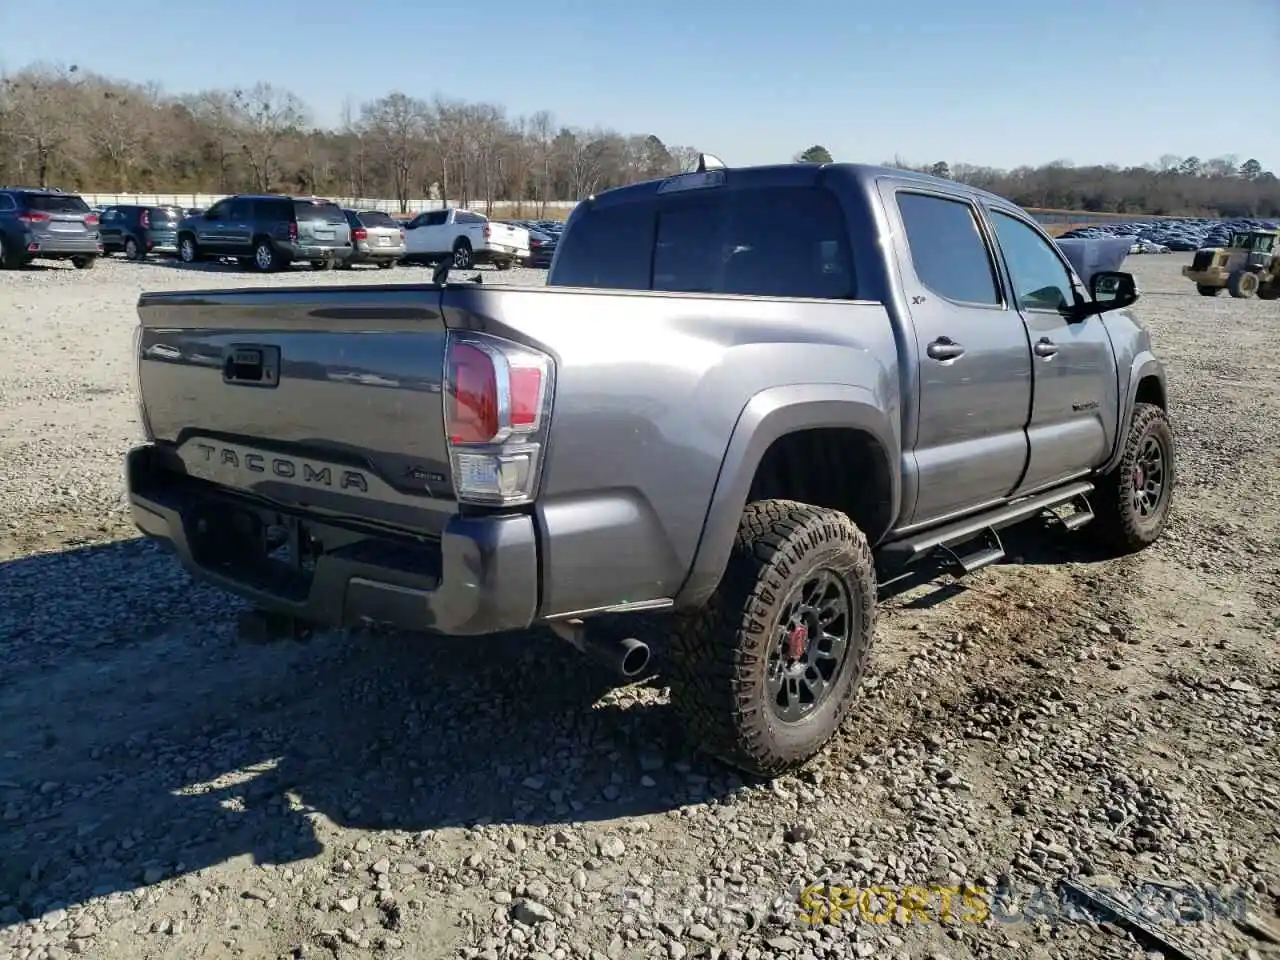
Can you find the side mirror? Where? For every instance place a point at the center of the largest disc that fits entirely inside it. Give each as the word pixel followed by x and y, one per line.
pixel 1111 290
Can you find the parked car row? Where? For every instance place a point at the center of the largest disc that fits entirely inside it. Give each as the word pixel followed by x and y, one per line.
pixel 262 232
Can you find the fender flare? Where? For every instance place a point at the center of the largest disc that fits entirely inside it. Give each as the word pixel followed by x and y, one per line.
pixel 1144 365
pixel 768 415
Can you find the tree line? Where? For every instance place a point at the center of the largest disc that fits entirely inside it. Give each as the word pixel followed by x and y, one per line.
pixel 1172 186
pixel 67 127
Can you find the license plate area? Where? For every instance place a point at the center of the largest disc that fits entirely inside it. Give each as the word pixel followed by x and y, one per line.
pixel 272 552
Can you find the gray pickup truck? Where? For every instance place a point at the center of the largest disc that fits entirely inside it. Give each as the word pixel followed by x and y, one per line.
pixel 745 401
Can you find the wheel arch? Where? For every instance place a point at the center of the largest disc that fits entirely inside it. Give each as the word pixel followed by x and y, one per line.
pixel 1146 385
pixel 840 426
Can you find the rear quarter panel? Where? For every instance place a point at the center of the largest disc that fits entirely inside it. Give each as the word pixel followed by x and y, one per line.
pixel 649 389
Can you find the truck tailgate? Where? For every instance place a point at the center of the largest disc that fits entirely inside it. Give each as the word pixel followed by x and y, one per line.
pixel 324 398
pixel 505 235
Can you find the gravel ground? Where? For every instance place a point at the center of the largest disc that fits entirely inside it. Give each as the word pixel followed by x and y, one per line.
pixel 168 792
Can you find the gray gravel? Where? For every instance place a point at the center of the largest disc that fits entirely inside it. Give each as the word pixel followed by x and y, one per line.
pixel 168 792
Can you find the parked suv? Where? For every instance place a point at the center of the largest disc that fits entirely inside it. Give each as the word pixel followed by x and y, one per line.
pixel 375 237
pixel 140 231
pixel 267 232
pixel 46 224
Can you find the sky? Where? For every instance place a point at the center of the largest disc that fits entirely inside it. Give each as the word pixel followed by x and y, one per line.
pixel 991 82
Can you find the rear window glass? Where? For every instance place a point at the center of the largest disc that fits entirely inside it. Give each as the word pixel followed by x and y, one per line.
pixel 166 213
pixel 56 203
pixel 776 241
pixel 323 212
pixel 375 218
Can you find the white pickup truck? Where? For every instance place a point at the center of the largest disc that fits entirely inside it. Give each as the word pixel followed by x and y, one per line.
pixel 466 238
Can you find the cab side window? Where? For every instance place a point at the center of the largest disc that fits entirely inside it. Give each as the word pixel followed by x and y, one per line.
pixel 1040 279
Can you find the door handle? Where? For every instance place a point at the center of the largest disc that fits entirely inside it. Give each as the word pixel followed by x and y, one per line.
pixel 1045 348
pixel 944 348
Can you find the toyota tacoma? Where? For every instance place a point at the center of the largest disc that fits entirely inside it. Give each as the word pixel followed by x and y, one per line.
pixel 745 401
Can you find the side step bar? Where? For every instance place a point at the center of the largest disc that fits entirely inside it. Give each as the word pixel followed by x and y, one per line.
pixel 910 549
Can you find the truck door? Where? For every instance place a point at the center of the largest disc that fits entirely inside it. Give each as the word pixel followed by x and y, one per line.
pixel 973 365
pixel 1074 388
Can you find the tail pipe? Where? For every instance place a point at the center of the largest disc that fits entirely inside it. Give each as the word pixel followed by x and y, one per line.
pixel 623 654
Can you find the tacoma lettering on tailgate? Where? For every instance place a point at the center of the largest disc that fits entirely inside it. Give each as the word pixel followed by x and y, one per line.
pixel 284 467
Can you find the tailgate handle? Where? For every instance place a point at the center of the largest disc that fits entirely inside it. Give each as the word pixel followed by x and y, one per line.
pixel 251 365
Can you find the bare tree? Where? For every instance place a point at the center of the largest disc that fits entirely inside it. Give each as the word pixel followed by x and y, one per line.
pixel 397 124
pixel 43 115
pixel 542 126
pixel 267 116
pixel 118 126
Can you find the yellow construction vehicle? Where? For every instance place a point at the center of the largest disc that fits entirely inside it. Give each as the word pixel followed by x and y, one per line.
pixel 1249 266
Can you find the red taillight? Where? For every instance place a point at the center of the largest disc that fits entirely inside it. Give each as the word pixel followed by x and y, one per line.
pixel 471 406
pixel 487 231
pixel 293 231
pixel 33 217
pixel 359 233
pixel 91 220
pixel 402 234
pixel 495 398
pixel 145 219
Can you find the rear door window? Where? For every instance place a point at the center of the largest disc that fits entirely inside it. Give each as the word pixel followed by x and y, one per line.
pixel 947 248
pixel 56 203
pixel 165 214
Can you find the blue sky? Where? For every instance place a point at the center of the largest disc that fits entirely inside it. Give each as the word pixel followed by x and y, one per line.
pixel 998 82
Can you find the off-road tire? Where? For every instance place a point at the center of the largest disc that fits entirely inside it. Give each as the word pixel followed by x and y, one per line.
pixel 1243 285
pixel 87 262
pixel 1117 524
pixel 463 258
pixel 718 654
pixel 1270 291
pixel 1208 290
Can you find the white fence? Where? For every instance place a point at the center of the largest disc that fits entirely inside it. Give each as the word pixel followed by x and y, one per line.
pixel 205 200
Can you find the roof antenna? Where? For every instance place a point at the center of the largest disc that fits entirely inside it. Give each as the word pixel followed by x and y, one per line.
pixel 709 161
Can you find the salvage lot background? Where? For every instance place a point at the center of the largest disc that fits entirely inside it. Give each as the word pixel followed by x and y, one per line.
pixel 167 792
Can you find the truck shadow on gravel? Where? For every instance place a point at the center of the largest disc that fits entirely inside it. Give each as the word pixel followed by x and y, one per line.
pixel 139 739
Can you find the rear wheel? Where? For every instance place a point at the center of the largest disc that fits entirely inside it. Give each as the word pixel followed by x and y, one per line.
pixel 1207 290
pixel 1243 285
pixel 84 263
pixel 1270 291
pixel 132 250
pixel 463 259
pixel 10 257
pixel 265 259
pixel 763 675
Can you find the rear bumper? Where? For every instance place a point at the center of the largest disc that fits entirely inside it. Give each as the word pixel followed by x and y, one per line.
pixel 480 577
pixel 59 247
pixel 369 253
pixel 298 251
pixel 490 255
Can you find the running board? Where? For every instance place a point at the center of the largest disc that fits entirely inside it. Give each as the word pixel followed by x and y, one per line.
pixel 910 549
